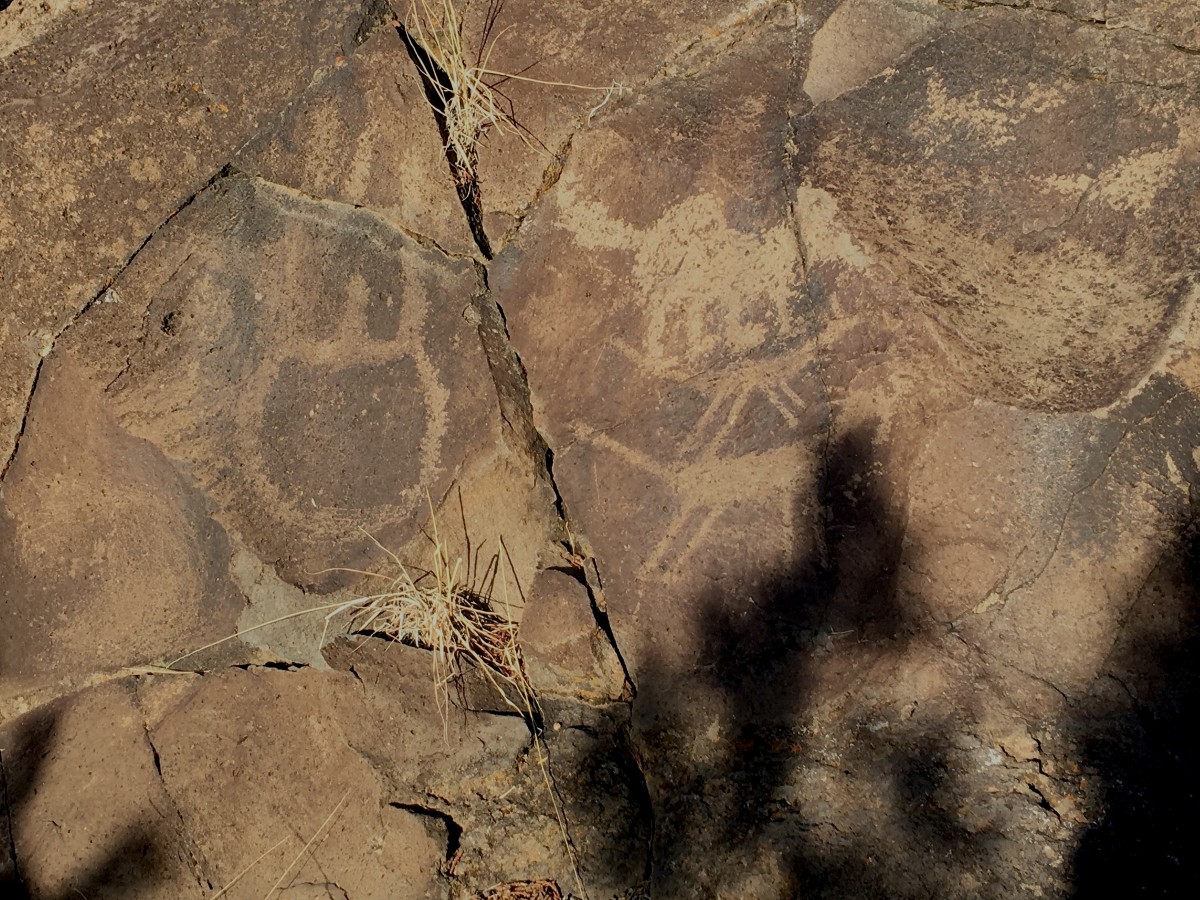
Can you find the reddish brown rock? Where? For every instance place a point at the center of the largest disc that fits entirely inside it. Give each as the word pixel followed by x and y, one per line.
pixel 587 48
pixel 114 116
pixel 87 807
pixel 262 759
pixel 812 542
pixel 366 136
pixel 480 771
pixel 683 363
pixel 309 366
pixel 863 339
pixel 566 653
pixel 1042 223
pixel 109 553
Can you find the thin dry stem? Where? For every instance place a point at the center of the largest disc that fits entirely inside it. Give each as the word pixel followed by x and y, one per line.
pixel 470 104
pixel 304 849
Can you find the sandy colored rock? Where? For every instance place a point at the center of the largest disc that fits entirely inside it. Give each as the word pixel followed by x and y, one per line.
pixel 89 812
pixel 690 385
pixel 565 651
pixel 479 769
pixel 577 43
pixel 846 372
pixel 27 20
pixel 100 146
pixel 1041 222
pixel 804 529
pixel 858 41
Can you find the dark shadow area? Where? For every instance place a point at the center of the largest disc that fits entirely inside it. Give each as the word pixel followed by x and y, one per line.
pixel 841 600
pixel 24 746
pixel 849 799
pixel 761 659
pixel 722 803
pixel 134 860
pixel 1135 734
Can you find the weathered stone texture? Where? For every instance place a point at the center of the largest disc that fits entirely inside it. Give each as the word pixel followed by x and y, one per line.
pixel 285 733
pixel 109 555
pixel 579 43
pixel 770 317
pixel 307 364
pixel 114 117
pixel 366 135
pixel 88 810
pixel 1043 221
pixel 846 373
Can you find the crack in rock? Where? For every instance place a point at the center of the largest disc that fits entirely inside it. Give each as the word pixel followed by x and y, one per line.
pixel 443 821
pixel 105 294
pixel 1103 23
pixel 516 409
pixel 195 856
pixel 12 834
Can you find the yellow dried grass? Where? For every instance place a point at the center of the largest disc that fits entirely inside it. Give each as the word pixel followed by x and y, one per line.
pixel 467 93
pixel 456 621
pixel 440 612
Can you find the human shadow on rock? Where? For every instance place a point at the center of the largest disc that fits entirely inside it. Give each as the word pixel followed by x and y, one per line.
pixel 1134 732
pixel 132 861
pixel 730 794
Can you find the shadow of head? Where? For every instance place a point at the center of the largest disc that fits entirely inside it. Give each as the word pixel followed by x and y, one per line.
pixel 131 860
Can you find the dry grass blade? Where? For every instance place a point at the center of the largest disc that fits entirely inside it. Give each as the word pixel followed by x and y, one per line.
pixel 468 102
pixel 454 621
pixel 238 877
pixel 304 849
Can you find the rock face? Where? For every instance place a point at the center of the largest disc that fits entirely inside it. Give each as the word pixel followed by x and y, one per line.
pixel 116 833
pixel 826 417
pixel 113 119
pixel 1042 223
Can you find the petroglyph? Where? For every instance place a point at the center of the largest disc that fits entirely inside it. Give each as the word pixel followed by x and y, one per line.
pixel 298 359
pixel 702 288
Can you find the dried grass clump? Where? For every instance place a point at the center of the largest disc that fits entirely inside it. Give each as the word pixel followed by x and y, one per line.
pixel 457 622
pixel 467 94
pixel 440 612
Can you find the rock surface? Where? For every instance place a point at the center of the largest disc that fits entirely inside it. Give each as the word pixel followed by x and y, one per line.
pixel 826 418
pixel 87 807
pixel 115 115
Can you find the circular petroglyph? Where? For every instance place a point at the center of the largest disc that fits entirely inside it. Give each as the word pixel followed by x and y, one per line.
pixel 346 437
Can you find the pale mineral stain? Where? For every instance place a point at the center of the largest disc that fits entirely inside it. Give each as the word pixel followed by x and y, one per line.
pixel 979 116
pixel 690 274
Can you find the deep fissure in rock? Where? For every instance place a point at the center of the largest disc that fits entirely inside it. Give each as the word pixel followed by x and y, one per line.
pixel 516 409
pixel 438 86
pixel 12 835
pixel 437 817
